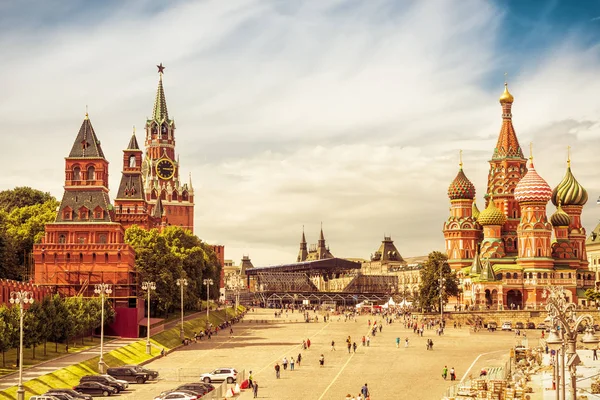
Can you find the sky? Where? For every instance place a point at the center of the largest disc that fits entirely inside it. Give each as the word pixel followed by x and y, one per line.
pixel 295 113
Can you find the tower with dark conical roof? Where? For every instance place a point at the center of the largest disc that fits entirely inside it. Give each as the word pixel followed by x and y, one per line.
pixel 303 252
pixel 161 168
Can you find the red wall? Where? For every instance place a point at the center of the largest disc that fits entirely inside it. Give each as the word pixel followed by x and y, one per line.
pixel 126 323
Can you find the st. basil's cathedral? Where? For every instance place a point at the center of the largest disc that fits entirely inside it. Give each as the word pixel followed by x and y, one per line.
pixel 505 255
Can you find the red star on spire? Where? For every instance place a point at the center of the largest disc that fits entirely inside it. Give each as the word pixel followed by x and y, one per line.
pixel 161 69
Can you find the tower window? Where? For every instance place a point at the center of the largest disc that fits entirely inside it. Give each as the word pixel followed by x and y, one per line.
pixel 91 173
pixel 76 174
pixel 132 161
pixel 68 257
pixel 62 239
pixel 102 238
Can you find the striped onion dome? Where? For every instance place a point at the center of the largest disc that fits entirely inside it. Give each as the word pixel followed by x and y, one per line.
pixel 461 187
pixel 491 215
pixel 560 218
pixel 569 192
pixel 475 211
pixel 532 187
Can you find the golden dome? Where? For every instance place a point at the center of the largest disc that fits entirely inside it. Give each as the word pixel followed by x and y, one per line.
pixel 506 96
pixel 491 215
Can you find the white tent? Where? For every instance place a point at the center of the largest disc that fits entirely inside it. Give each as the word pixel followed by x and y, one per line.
pixel 405 303
pixel 391 302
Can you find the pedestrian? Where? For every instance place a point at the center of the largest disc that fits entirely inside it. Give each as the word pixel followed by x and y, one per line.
pixel 322 360
pixel 368 341
pixel 255 390
pixel 354 346
pixel 595 353
pixel 277 370
pixel 445 372
pixel 163 353
pixel 363 340
pixel 397 341
pixel 332 345
pixel 308 343
pixel 406 342
pixel 452 374
pixel 349 347
pixel 365 391
pixel 285 363
pixel 250 380
pixel 299 359
pixel 292 364
pixel 304 344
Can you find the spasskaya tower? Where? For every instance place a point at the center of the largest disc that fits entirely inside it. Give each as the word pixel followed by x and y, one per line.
pixel 161 169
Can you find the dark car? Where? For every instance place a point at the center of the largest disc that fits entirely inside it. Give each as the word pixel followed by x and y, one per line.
pixel 128 374
pixel 70 392
pixel 492 326
pixel 519 325
pixel 95 388
pixel 530 325
pixel 103 380
pixel 198 388
pixel 151 373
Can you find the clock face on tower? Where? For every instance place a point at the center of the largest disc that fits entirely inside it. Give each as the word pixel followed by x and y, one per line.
pixel 165 169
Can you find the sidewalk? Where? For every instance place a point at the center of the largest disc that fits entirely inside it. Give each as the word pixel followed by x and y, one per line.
pixel 585 371
pixel 40 369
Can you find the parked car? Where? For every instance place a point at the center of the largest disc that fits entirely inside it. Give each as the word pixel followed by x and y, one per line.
pixel 95 388
pixel 128 374
pixel 124 383
pixel 59 396
pixel 507 326
pixel 179 395
pixel 220 375
pixel 519 325
pixel 541 325
pixel 200 388
pixel 103 380
pixel 492 326
pixel 151 373
pixel 43 397
pixel 70 392
pixel 530 325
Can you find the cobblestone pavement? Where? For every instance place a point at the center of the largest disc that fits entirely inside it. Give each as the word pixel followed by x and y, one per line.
pixel 391 373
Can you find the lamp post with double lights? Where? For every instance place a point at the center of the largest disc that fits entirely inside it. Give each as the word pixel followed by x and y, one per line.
pixel 102 289
pixel 148 287
pixel 182 282
pixel 207 283
pixel 563 313
pixel 21 298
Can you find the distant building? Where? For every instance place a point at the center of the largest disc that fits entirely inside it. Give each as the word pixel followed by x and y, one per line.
pixel 319 251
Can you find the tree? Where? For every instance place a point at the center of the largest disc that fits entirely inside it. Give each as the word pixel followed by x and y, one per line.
pixel 592 295
pixel 47 317
pixel 56 326
pixel 22 197
pixel 33 326
pixel 429 289
pixel 9 331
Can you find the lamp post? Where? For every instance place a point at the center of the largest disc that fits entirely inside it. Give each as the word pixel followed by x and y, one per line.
pixel 207 283
pixel 181 283
pixel 21 297
pixel 148 287
pixel 441 280
pixel 102 289
pixel 559 310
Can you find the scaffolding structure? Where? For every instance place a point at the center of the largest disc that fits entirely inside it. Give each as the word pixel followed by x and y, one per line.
pixel 285 282
pixel 372 284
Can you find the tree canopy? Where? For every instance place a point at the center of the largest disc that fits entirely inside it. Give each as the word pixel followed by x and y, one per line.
pixel 22 197
pixel 429 289
pixel 163 257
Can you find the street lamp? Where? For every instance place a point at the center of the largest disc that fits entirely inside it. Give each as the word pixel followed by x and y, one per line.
pixel 102 289
pixel 563 313
pixel 21 297
pixel 207 283
pixel 181 283
pixel 148 287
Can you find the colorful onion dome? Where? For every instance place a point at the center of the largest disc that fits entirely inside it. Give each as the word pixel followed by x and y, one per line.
pixel 532 187
pixel 491 215
pixel 569 192
pixel 560 218
pixel 506 97
pixel 475 211
pixel 461 187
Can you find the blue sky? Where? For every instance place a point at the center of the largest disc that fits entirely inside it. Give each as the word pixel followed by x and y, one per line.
pixel 291 113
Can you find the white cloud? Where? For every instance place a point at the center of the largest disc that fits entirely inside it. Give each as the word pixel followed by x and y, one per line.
pixel 293 113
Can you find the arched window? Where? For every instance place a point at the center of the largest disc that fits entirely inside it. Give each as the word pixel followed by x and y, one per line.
pixel 62 239
pixel 106 258
pixel 184 196
pixel 163 131
pixel 80 257
pixel 562 276
pixel 132 161
pixel 174 195
pixel 545 275
pixel 154 195
pixel 569 275
pixel 163 195
pixel 91 173
pixel 589 277
pixel 68 257
pixel 515 276
pixel 76 174
pixel 119 257
pixel 578 276
pixel 539 275
pixel 93 258
pixel 43 257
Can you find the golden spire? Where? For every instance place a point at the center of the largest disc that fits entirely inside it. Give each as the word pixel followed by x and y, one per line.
pixel 506 97
pixel 569 156
pixel 86 112
pixel 460 164
pixel 531 151
pixel 134 130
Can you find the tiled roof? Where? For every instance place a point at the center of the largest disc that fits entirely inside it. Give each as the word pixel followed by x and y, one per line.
pixel 133 143
pixel 90 199
pixel 86 144
pixel 158 209
pixel 508 144
pixel 532 187
pixel 569 192
pixel 131 187
pixel 160 112
pixel 461 187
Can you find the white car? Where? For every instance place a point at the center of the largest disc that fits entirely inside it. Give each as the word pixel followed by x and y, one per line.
pixel 507 326
pixel 220 375
pixel 177 396
pixel 121 381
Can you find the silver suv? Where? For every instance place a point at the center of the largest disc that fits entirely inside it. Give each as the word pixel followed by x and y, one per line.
pixel 220 375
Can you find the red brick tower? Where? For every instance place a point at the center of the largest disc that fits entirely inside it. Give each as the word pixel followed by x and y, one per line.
pixel 85 245
pixel 160 168
pixel 507 167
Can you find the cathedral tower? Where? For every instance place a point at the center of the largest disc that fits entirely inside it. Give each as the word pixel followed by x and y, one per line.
pixel 161 169
pixel 303 253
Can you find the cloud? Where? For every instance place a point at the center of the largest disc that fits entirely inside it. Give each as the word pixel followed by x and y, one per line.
pixel 293 113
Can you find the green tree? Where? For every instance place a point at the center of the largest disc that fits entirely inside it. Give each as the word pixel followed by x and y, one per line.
pixel 592 295
pixel 429 289
pixel 32 327
pixel 22 197
pixel 9 331
pixel 56 328
pixel 47 316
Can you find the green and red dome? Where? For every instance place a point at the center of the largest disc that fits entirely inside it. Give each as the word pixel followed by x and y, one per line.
pixel 461 188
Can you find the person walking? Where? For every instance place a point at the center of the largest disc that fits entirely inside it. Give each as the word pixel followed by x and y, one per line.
pixel 285 363
pixel 255 390
pixel 354 346
pixel 299 358
pixel 452 374
pixel 322 360
pixel 368 341
pixel 445 372
pixel 277 370
pixel 397 341
pixel 363 340
pixel 308 343
pixel 332 345
pixel 406 342
pixel 349 347
pixel 292 364
pixel 365 391
pixel 250 380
